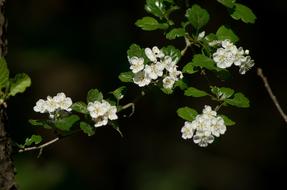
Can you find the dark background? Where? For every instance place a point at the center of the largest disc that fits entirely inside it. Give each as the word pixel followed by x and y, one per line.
pixel 73 46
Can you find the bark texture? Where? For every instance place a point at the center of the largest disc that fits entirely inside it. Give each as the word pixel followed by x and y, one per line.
pixel 7 170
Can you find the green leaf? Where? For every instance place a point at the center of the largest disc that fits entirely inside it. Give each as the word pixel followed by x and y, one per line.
pixel 227 3
pixel 187 113
pixel 202 61
pixel 167 91
pixel 243 13
pixel 126 76
pixel 119 92
pixel 226 92
pixel 194 92
pixel 94 95
pixel 80 107
pixel 222 93
pixel 149 24
pixel 33 139
pixel 197 16
pixel 226 33
pixel 211 37
pixel 19 84
pixel 87 128
pixel 135 51
pixel 181 84
pixel 189 68
pixel 66 123
pixel 4 73
pixel 44 124
pixel 227 121
pixel 172 52
pixel 239 100
pixel 155 7
pixel 175 33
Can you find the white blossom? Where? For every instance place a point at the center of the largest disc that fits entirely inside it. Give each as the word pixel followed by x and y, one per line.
pixel 154 71
pixel 101 112
pixel 40 106
pixel 142 79
pixel 223 58
pixel 53 104
pixel 229 54
pixel 246 66
pixel 153 54
pixel 204 127
pixel 202 139
pixel 173 72
pixel 168 63
pixel 63 102
pixel 160 67
pixel 137 64
pixel 168 82
pixel 187 130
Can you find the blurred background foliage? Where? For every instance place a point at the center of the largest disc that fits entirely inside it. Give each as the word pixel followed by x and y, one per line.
pixel 72 46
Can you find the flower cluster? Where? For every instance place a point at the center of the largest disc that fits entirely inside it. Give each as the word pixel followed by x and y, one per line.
pixel 54 104
pixel 229 54
pixel 101 112
pixel 160 65
pixel 204 127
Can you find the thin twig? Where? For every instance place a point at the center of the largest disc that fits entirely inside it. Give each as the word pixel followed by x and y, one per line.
pixel 40 146
pixel 132 105
pixel 187 44
pixel 272 96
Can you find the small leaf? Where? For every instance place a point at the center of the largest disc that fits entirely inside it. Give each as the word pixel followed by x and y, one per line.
pixel 243 13
pixel 189 68
pixel 19 84
pixel 226 92
pixel 135 51
pixel 119 92
pixel 87 128
pixel 36 122
pixel 40 123
pixel 197 16
pixel 226 33
pixel 227 3
pixel 222 93
pixel 200 60
pixel 167 91
pixel 194 92
pixel 155 7
pixel 66 123
pixel 187 113
pixel 94 95
pixel 175 33
pixel 36 139
pixel 149 24
pixel 172 52
pixel 227 121
pixel 4 73
pixel 80 107
pixel 239 100
pixel 181 84
pixel 211 37
pixel 126 76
